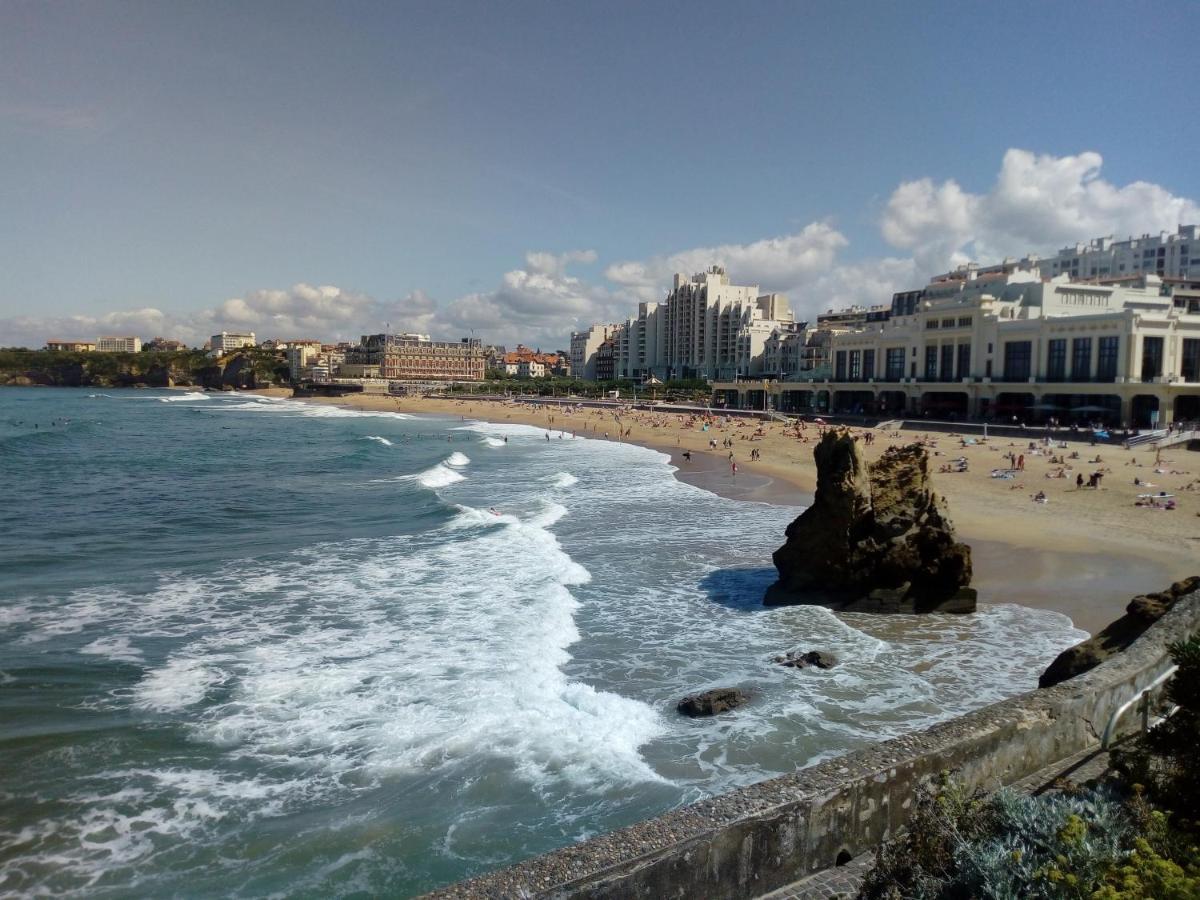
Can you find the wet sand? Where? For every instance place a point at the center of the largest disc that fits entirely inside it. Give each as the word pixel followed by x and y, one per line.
pixel 1085 553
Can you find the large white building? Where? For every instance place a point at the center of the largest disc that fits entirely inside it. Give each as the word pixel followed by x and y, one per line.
pixel 1001 344
pixel 1164 254
pixel 119 344
pixel 228 341
pixel 705 328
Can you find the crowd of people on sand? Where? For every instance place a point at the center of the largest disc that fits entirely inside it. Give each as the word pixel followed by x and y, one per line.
pixel 730 434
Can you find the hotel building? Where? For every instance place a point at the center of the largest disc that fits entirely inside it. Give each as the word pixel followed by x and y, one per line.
pixel 228 341
pixel 414 357
pixel 119 344
pixel 71 346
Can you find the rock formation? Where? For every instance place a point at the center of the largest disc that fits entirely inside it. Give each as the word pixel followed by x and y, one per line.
pixel 874 539
pixel 709 703
pixel 817 659
pixel 1142 612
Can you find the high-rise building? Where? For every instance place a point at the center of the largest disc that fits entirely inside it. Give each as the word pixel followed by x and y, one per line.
pixel 584 345
pixel 705 328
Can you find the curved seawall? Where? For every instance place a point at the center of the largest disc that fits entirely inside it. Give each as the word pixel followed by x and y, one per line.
pixel 755 839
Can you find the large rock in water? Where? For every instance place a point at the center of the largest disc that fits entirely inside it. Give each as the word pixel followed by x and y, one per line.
pixel 874 539
pixel 1142 612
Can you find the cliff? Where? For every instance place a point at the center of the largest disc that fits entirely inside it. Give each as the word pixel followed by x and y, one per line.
pixel 874 539
pixel 244 369
pixel 1142 612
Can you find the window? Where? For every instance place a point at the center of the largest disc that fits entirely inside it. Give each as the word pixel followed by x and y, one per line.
pixel 1152 357
pixel 855 365
pixel 964 321
pixel 868 364
pixel 1018 359
pixel 947 371
pixel 839 367
pixel 964 361
pixel 1189 366
pixel 947 323
pixel 1056 359
pixel 894 363
pixel 1107 356
pixel 1081 359
pixel 931 361
pixel 931 323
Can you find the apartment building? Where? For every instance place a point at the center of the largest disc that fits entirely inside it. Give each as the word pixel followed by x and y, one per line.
pixel 228 341
pixel 121 344
pixel 706 327
pixel 584 346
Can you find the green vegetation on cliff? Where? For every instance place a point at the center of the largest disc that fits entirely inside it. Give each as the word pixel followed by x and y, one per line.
pixel 246 368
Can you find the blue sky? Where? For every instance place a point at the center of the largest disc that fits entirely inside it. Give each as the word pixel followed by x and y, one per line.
pixel 313 170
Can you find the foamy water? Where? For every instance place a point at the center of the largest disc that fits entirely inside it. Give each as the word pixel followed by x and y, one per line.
pixel 356 660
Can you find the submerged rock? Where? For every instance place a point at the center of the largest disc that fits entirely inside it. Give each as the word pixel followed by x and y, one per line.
pixel 1142 612
pixel 817 659
pixel 709 703
pixel 874 539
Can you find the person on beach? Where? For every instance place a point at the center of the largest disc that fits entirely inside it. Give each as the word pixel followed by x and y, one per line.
pixel 733 469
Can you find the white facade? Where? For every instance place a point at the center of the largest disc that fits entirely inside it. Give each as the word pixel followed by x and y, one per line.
pixel 1004 345
pixel 1165 254
pixel 118 344
pixel 227 341
pixel 584 345
pixel 531 368
pixel 705 328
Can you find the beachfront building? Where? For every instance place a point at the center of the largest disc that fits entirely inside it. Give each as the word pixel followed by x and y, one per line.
pixel 228 341
pixel 1167 255
pixel 415 357
pixel 71 346
pixel 706 327
pixel 119 344
pixel 584 346
pixel 1012 344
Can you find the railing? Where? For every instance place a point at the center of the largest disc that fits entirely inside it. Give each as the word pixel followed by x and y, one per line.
pixel 1146 437
pixel 1142 697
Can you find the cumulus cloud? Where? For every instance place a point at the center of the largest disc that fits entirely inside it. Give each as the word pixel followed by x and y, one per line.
pixel 1038 204
pixel 34 331
pixel 775 264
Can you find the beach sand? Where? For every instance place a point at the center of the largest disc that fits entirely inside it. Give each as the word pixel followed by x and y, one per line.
pixel 1084 553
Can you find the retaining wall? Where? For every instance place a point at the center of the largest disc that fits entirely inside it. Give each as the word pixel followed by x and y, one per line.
pixel 755 839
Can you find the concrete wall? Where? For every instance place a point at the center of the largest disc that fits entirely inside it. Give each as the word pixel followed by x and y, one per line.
pixel 754 839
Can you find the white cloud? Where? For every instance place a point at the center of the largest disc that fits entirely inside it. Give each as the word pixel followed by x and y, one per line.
pixel 1038 204
pixel 775 264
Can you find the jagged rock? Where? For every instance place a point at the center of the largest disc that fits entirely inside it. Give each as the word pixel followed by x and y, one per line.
pixel 709 703
pixel 818 659
pixel 1142 612
pixel 874 539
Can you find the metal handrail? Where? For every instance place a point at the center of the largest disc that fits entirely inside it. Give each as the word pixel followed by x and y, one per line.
pixel 1111 727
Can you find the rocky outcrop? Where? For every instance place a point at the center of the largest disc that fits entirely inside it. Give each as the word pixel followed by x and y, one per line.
pixel 1142 612
pixel 874 539
pixel 816 659
pixel 709 703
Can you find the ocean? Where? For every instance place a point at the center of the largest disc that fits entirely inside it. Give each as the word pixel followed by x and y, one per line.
pixel 256 648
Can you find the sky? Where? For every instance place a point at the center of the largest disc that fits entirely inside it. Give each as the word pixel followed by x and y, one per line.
pixel 519 170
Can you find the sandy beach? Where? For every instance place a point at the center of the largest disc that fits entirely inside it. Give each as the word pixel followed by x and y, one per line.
pixel 1083 552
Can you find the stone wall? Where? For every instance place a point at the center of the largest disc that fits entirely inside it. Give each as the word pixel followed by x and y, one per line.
pixel 752 840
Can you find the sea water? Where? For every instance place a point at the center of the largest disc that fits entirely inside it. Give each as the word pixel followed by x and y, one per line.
pixel 255 647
